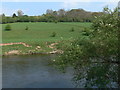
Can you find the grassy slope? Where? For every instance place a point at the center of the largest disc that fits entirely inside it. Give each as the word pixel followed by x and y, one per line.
pixel 39 33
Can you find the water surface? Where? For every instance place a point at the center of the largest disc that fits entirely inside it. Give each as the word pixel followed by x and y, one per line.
pixel 34 72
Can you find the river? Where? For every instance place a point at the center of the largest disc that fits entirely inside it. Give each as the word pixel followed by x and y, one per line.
pixel 34 71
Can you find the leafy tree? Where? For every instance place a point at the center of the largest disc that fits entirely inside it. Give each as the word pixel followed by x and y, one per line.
pixel 95 57
pixel 74 15
pixel 14 15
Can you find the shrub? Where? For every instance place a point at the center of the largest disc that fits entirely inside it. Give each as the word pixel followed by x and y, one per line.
pixel 53 34
pixel 26 28
pixel 96 53
pixel 55 21
pixel 86 32
pixel 8 27
pixel 72 29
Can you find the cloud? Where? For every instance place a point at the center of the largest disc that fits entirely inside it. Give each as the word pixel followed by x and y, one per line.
pixel 111 5
pixel 70 4
pixel 74 3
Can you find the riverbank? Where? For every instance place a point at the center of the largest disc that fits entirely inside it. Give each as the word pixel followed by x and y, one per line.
pixel 16 52
pixel 37 50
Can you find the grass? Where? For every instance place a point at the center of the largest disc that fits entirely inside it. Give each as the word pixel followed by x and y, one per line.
pixel 39 33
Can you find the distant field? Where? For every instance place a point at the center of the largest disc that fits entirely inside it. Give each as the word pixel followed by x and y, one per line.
pixel 40 32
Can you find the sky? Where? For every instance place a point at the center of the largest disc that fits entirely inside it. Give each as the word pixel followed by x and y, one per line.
pixel 38 7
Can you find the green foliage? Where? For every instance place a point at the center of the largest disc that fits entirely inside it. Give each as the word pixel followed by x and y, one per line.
pixel 105 33
pixel 8 27
pixel 53 34
pixel 72 29
pixel 86 32
pixel 56 21
pixel 95 54
pixel 14 15
pixel 74 15
pixel 103 39
pixel 26 28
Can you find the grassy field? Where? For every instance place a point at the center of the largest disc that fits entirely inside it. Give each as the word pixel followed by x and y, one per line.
pixel 39 33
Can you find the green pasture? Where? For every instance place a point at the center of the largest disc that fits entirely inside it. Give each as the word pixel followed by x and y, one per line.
pixel 39 33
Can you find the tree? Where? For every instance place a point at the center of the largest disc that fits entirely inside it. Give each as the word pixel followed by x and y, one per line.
pixel 61 12
pixel 95 57
pixel 20 13
pixel 3 15
pixel 49 11
pixel 73 15
pixel 54 13
pixel 14 15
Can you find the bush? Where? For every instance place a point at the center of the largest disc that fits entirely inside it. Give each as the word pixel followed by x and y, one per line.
pixel 26 28
pixel 72 29
pixel 102 42
pixel 53 34
pixel 95 56
pixel 56 21
pixel 86 32
pixel 8 28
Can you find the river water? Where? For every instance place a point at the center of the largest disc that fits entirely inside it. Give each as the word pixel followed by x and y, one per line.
pixel 33 71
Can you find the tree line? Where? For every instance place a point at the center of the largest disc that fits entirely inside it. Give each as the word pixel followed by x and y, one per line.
pixel 73 15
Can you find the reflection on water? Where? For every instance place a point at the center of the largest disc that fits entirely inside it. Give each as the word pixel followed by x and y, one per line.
pixel 97 75
pixel 34 72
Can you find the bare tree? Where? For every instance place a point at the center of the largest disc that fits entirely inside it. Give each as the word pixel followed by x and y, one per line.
pixel 61 12
pixel 20 13
pixel 3 15
pixel 49 11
